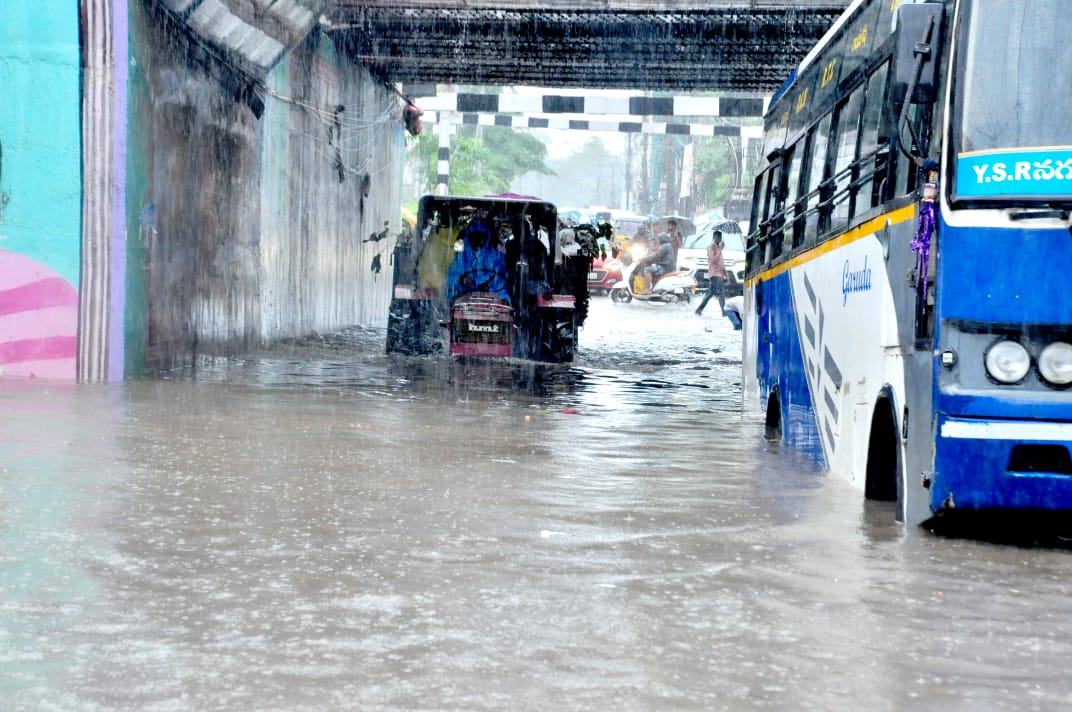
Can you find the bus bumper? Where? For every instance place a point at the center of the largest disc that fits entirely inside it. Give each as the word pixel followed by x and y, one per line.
pixel 982 464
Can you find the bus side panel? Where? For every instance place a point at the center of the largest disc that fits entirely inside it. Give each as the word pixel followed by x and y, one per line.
pixel 918 364
pixel 918 450
pixel 751 401
pixel 846 319
pixel 780 365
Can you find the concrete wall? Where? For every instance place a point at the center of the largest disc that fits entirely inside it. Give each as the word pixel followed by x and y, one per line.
pixel 40 188
pixel 242 230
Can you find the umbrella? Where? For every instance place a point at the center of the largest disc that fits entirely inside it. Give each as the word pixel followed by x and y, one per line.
pixel 577 217
pixel 684 224
pixel 722 224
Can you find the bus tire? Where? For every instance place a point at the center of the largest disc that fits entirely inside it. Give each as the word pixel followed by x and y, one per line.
pixel 773 420
pixel 883 481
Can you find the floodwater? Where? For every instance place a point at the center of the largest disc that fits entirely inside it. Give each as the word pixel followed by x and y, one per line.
pixel 320 527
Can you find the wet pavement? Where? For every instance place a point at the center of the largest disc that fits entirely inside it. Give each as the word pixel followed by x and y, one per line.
pixel 322 527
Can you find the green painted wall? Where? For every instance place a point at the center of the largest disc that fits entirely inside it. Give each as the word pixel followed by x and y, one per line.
pixel 40 125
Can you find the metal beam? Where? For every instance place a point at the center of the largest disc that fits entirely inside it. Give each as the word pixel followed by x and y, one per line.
pixel 636 105
pixel 749 46
pixel 619 125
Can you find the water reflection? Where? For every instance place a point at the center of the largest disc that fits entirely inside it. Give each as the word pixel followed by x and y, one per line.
pixel 321 527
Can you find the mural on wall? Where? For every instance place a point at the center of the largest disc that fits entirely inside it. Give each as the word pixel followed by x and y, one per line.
pixel 38 320
pixel 40 189
pixel 38 314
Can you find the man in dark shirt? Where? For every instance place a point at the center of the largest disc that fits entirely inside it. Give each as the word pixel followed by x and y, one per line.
pixel 659 262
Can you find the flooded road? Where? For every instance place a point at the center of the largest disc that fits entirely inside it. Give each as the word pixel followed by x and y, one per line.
pixel 320 527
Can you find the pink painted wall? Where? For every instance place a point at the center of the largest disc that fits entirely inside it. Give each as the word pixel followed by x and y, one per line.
pixel 38 320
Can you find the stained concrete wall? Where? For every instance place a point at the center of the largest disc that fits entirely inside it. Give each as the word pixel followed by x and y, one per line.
pixel 247 208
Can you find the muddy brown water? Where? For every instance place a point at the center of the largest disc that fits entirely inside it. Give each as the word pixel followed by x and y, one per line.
pixel 322 527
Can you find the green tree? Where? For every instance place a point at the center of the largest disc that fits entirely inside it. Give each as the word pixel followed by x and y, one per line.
pixel 716 161
pixel 483 159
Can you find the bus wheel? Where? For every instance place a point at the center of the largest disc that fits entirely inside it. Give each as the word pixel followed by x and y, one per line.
pixel 883 468
pixel 774 417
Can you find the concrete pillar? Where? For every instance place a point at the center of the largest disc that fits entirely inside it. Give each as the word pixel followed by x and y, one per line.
pixel 446 127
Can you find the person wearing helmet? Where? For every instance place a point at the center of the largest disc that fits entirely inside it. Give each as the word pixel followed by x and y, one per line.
pixel 658 262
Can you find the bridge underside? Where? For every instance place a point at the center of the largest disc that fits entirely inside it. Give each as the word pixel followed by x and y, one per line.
pixel 744 46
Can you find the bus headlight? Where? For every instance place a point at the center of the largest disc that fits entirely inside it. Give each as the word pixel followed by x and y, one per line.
pixel 1007 361
pixel 1055 363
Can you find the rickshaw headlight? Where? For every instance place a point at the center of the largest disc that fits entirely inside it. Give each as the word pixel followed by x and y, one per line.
pixel 1055 363
pixel 1007 361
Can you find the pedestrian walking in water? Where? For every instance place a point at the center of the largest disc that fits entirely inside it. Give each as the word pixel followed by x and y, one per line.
pixel 716 274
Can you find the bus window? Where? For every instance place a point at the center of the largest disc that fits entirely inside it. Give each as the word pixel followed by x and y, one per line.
pixel 774 134
pixel 757 203
pixel 780 198
pixel 765 200
pixel 814 210
pixel 759 200
pixel 874 155
pixel 793 209
pixel 848 131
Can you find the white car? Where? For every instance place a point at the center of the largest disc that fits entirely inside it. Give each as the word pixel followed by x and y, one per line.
pixel 693 254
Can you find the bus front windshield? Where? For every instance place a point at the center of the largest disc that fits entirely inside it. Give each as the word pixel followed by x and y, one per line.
pixel 1013 106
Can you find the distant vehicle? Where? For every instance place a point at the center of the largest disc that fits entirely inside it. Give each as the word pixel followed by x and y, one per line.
pixel 486 277
pixel 603 275
pixel 626 224
pixel 670 287
pixel 693 255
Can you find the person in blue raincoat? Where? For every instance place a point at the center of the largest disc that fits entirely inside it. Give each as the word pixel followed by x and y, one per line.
pixel 479 267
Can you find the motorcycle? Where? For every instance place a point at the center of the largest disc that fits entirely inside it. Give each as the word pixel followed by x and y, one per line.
pixel 669 287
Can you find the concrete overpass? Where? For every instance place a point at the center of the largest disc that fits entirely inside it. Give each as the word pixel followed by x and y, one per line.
pixel 674 45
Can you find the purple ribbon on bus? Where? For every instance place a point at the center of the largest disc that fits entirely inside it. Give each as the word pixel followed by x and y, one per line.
pixel 921 243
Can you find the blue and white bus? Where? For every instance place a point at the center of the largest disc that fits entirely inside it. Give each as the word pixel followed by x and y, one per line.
pixel 909 282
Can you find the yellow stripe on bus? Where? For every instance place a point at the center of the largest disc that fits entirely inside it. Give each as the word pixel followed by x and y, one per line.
pixel 860 231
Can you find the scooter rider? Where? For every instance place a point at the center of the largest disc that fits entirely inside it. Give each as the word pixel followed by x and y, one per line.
pixel 658 262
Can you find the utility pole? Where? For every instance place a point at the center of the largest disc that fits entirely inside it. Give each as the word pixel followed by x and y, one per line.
pixel 645 178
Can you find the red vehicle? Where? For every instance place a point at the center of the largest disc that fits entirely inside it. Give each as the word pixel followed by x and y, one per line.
pixel 604 275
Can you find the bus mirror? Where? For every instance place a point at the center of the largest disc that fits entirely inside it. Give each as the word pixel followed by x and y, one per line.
pixel 915 60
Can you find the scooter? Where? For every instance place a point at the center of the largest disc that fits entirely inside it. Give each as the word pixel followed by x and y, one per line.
pixel 669 287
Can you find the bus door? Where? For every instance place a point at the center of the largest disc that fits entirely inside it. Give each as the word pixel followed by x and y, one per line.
pixel 766 248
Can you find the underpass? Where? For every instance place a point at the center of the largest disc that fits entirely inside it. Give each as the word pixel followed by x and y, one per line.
pixel 232 158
